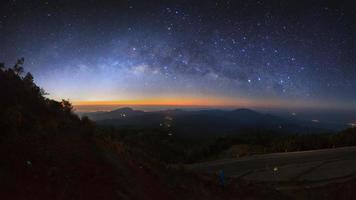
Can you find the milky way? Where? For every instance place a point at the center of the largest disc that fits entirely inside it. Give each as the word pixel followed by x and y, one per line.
pixel 294 51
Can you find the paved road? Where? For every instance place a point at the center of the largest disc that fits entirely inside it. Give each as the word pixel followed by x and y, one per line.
pixel 305 166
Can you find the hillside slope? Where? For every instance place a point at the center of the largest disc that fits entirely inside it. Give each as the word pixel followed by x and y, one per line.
pixel 207 122
pixel 47 152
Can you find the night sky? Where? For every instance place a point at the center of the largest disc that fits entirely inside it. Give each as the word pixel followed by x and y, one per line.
pixel 279 54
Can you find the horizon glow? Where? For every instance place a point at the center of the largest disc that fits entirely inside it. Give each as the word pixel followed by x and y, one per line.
pixel 227 54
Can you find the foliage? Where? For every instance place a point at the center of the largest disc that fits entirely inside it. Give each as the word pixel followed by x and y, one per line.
pixel 158 144
pixel 25 109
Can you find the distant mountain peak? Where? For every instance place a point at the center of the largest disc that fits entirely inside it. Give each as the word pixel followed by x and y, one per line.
pixel 244 110
pixel 124 109
pixel 172 110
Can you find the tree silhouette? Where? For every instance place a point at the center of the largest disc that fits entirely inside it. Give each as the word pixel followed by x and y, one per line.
pixel 18 66
pixel 24 109
pixel 28 78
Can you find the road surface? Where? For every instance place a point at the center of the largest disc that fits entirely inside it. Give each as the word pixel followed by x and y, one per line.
pixel 312 167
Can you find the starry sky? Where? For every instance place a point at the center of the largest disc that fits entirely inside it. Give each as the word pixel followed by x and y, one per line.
pixel 253 53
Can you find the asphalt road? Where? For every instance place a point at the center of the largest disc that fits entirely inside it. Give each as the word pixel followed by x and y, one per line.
pixel 304 166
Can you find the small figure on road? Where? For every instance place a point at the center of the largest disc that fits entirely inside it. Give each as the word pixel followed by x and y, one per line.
pixel 221 176
pixel 275 169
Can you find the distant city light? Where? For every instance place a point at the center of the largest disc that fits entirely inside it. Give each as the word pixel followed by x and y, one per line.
pixel 168 118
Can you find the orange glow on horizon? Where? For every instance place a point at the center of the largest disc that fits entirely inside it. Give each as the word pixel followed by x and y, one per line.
pixel 201 102
pixel 208 102
pixel 166 102
pixel 193 101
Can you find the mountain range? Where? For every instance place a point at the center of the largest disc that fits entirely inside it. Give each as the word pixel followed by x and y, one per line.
pixel 208 122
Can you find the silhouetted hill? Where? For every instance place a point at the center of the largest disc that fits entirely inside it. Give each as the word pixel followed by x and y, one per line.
pixel 46 150
pixel 24 108
pixel 115 114
pixel 205 122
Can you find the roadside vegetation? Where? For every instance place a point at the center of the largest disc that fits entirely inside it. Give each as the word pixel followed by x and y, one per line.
pixel 174 149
